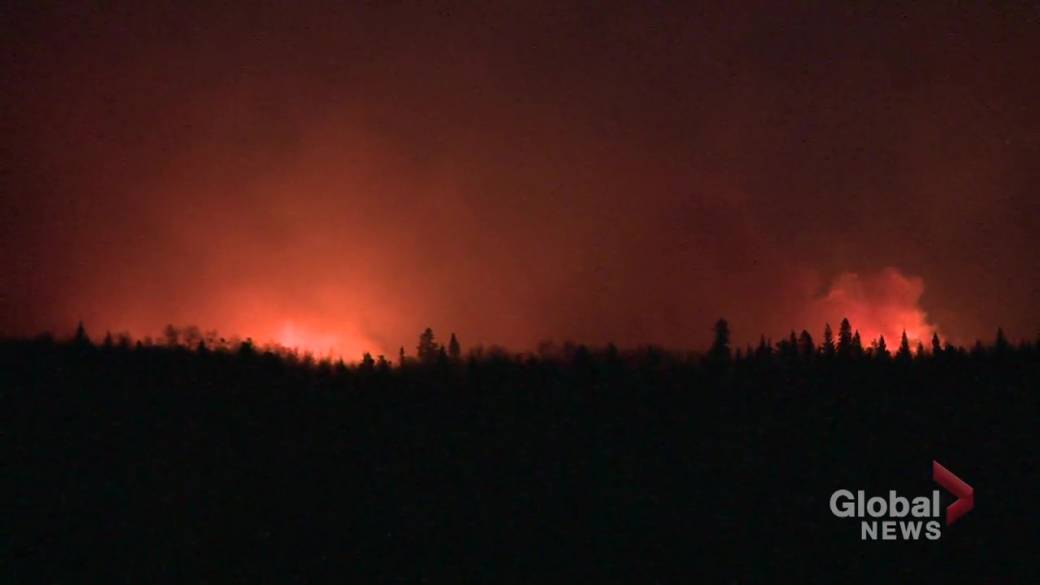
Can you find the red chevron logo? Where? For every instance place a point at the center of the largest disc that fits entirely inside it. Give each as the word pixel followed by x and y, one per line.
pixel 956 486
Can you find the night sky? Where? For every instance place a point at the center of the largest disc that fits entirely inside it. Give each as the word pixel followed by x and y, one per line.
pixel 330 176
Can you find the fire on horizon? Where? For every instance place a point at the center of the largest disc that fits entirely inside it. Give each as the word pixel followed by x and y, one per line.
pixel 339 179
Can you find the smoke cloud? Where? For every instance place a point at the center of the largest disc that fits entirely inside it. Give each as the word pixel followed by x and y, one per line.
pixel 342 178
pixel 886 304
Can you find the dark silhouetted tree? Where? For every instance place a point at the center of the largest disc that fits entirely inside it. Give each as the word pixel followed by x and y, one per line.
pixel 367 363
pixel 857 345
pixel 845 338
pixel 827 349
pixel 581 359
pixel 765 349
pixel 191 336
pixel 400 357
pixel 454 349
pixel 978 350
pixel 80 338
pixel 904 354
pixel 720 347
pixel 1001 345
pixel 427 349
pixel 881 349
pixel 919 353
pixel 936 346
pixel 789 348
pixel 172 335
pixel 806 345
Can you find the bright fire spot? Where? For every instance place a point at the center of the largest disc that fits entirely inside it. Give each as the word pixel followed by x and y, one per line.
pixel 322 344
pixel 886 303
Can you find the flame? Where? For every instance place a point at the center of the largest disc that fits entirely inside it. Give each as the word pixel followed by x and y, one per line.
pixel 886 303
pixel 323 343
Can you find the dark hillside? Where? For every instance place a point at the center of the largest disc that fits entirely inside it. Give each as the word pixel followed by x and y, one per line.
pixel 167 464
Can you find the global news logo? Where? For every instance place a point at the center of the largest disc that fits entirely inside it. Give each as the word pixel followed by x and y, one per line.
pixel 907 518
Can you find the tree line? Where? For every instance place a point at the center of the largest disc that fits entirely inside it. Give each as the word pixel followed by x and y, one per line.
pixel 796 348
pixel 848 346
pixel 233 461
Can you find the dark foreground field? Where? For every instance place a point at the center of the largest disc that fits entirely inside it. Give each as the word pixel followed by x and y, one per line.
pixel 154 464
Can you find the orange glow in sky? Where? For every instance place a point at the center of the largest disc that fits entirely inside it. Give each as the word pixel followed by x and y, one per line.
pixel 886 303
pixel 333 344
pixel 350 177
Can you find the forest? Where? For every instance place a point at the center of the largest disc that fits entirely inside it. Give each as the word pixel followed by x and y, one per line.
pixel 192 458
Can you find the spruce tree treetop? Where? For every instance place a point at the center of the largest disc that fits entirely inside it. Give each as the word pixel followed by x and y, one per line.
pixel 454 349
pixel 806 345
pixel 367 363
pixel 845 338
pixel 828 341
pixel 904 348
pixel 427 349
pixel 1001 344
pixel 720 347
pixel 881 348
pixel 81 335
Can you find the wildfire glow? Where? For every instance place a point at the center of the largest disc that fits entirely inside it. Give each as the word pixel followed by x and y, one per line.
pixel 886 303
pixel 323 344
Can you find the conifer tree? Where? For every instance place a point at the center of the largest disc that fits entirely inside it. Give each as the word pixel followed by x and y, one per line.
pixel 978 350
pixel 427 349
pixel 828 341
pixel 904 349
pixel 806 346
pixel 881 349
pixel 720 346
pixel 454 349
pixel 764 350
pixel 789 348
pixel 845 338
pixel 1001 345
pixel 81 337
pixel 367 363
